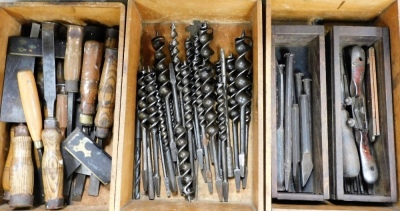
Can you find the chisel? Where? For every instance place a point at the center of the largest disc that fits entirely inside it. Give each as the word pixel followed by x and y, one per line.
pixel 52 162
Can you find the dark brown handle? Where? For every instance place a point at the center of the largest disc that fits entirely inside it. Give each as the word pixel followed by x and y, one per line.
pixel 111 38
pixel 93 53
pixel 6 172
pixel 21 170
pixel 106 99
pixel 62 112
pixel 73 58
pixel 52 166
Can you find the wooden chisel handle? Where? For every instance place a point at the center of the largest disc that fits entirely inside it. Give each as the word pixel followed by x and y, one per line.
pixel 111 38
pixel 52 165
pixel 93 53
pixel 62 112
pixel 106 98
pixel 6 172
pixel 73 58
pixel 21 170
pixel 31 106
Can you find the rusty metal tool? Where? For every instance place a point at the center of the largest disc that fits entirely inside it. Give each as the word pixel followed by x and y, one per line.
pixel 288 120
pixel 296 132
pixel 21 169
pixel 351 162
pixel 306 137
pixel 52 163
pixel 368 164
pixel 280 128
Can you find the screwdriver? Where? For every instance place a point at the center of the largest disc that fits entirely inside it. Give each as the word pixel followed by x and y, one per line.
pixel 21 169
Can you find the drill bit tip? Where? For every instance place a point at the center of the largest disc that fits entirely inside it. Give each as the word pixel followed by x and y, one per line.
pixel 218 185
pixel 225 190
pixel 306 167
pixel 236 172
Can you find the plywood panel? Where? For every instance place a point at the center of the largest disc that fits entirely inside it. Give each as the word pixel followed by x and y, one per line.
pixel 308 10
pixel 268 104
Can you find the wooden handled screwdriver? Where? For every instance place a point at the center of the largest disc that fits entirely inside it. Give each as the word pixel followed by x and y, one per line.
pixel 52 162
pixel 6 172
pixel 21 169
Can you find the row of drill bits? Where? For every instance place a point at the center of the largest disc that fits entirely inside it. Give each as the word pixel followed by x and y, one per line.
pixel 294 129
pixel 185 109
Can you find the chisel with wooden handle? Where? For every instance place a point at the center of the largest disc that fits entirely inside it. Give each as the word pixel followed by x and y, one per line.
pixel 21 169
pixel 6 172
pixel 52 162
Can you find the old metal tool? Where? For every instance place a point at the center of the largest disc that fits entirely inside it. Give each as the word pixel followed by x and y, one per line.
pixel 243 45
pixel 6 180
pixel 138 150
pixel 153 120
pixel 173 48
pixel 351 162
pixel 296 147
pixel 288 120
pixel 280 128
pixel 169 149
pixel 21 169
pixel 306 135
pixel 143 117
pixel 368 164
pixel 52 163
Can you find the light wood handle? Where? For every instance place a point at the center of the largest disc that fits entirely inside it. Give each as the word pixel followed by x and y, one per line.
pixel 90 77
pixel 21 170
pixel 73 58
pixel 52 166
pixel 62 112
pixel 106 98
pixel 30 105
pixel 6 172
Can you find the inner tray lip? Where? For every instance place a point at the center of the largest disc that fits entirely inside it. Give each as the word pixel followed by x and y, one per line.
pixel 379 33
pixel 317 32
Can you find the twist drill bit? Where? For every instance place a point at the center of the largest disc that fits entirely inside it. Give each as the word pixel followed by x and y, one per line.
pixel 233 115
pixel 143 117
pixel 219 143
pixel 173 48
pixel 208 89
pixel 153 120
pixel 136 182
pixel 205 37
pixel 243 45
pixel 198 103
pixel 223 134
pixel 188 120
pixel 161 68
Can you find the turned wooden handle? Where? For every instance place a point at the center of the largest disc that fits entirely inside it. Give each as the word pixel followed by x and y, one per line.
pixel 21 170
pixel 90 77
pixel 52 166
pixel 30 105
pixel 111 38
pixel 6 172
pixel 73 58
pixel 62 112
pixel 106 98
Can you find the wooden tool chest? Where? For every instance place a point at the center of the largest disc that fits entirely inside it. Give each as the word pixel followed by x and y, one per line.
pixel 139 19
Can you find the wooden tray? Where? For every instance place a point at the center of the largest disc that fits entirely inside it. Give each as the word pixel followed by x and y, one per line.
pixel 383 148
pixel 308 45
pixel 12 15
pixel 228 19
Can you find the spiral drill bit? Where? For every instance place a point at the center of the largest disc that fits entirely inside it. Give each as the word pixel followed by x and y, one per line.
pixel 161 68
pixel 205 37
pixel 174 51
pixel 208 89
pixel 223 131
pixel 136 190
pixel 233 115
pixel 187 100
pixel 143 117
pixel 153 120
pixel 243 45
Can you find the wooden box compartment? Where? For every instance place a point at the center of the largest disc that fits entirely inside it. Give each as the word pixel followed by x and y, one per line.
pixel 374 13
pixel 307 43
pixel 228 19
pixel 12 16
pixel 382 148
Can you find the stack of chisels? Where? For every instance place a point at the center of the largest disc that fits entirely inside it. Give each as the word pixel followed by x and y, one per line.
pixel 294 129
pixel 58 95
